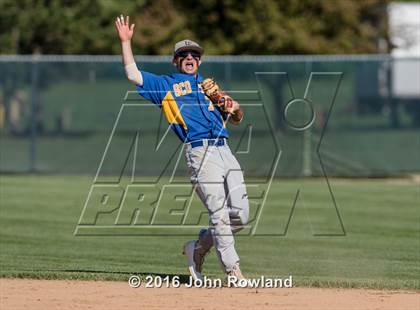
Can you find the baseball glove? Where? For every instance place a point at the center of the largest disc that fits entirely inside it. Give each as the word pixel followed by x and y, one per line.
pixel 217 96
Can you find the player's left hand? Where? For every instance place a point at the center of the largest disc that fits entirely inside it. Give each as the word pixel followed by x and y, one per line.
pixel 219 97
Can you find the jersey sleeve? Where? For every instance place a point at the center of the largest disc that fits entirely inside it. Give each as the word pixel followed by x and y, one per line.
pixel 154 87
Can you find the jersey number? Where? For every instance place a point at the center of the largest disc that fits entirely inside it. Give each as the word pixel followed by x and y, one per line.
pixel 182 88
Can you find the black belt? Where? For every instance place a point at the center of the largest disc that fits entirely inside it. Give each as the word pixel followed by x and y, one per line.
pixel 214 142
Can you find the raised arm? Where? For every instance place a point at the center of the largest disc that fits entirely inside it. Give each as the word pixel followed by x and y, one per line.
pixel 125 33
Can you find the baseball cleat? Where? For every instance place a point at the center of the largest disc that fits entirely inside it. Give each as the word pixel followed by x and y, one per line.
pixel 236 272
pixel 194 263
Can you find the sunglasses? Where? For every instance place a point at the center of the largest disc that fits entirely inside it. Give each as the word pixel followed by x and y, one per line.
pixel 184 54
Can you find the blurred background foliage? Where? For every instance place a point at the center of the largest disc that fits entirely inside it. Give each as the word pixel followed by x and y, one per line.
pixel 221 26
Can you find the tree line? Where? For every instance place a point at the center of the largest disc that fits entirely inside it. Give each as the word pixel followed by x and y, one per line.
pixel 222 26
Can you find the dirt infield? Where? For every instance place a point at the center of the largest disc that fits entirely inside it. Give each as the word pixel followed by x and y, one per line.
pixel 52 294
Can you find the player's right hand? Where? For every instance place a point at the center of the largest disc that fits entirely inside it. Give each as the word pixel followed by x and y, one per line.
pixel 228 105
pixel 125 31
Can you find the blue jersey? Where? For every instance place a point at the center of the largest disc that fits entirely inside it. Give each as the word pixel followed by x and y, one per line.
pixel 189 112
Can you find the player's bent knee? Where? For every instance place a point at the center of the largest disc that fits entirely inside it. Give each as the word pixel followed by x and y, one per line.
pixel 219 217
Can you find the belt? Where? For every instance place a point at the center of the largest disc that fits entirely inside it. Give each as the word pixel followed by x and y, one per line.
pixel 205 142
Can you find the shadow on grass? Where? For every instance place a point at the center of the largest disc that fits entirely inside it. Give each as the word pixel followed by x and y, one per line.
pixel 91 274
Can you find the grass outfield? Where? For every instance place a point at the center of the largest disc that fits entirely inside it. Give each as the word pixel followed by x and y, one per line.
pixel 380 249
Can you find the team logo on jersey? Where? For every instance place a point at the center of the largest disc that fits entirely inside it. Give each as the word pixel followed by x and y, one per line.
pixel 181 89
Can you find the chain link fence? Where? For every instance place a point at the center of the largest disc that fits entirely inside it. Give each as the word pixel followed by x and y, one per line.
pixel 363 115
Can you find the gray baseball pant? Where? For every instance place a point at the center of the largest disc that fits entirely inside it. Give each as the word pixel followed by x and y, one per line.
pixel 218 180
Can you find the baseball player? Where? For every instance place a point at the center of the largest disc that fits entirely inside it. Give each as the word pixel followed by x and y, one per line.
pixel 198 113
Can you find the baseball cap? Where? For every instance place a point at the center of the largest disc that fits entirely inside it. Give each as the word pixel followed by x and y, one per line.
pixel 188 45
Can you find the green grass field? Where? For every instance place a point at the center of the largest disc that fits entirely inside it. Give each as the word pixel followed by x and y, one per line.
pixel 380 249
